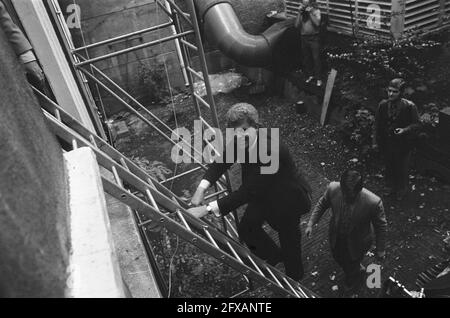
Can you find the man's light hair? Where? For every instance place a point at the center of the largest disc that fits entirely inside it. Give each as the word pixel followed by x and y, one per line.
pixel 238 113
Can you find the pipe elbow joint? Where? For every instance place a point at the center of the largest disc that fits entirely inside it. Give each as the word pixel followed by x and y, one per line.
pixel 224 29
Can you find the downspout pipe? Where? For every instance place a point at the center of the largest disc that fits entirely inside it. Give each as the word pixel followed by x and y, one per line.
pixel 223 29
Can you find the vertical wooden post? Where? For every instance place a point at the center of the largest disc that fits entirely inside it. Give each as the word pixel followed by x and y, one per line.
pixel 398 10
pixel 327 97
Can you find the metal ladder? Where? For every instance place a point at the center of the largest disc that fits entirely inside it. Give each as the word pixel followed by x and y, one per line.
pixel 85 71
pixel 141 192
pixel 160 204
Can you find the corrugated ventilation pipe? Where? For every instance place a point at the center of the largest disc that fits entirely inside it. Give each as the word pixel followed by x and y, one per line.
pixel 224 30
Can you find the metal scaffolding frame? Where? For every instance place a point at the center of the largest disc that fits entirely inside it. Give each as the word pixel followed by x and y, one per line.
pixel 154 203
pixel 160 204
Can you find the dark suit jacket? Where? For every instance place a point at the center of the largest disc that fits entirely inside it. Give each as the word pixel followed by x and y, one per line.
pixel 15 36
pixel 286 190
pixel 367 214
pixel 407 118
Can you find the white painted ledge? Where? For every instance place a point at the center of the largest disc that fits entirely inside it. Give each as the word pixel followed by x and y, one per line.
pixel 94 267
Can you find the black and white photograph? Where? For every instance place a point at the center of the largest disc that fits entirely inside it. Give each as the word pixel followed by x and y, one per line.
pixel 225 154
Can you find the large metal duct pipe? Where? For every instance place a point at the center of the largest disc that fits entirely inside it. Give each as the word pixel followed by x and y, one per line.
pixel 223 29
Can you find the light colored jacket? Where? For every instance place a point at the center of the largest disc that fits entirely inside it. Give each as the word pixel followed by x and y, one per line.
pixel 368 216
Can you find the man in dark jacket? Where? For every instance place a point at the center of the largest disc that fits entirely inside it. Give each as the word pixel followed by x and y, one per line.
pixel 396 122
pixel 21 46
pixel 355 210
pixel 278 198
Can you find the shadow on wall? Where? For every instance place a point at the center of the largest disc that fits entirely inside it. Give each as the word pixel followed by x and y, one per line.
pixel 34 246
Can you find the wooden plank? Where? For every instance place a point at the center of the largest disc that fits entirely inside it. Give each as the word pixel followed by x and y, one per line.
pixel 326 98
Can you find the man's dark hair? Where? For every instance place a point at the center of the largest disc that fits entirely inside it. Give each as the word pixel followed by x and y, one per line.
pixel 313 3
pixel 352 179
pixel 398 83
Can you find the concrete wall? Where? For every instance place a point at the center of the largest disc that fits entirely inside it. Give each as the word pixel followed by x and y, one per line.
pixel 34 247
pixel 103 19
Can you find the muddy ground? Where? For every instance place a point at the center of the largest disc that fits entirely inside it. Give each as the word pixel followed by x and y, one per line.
pixel 417 225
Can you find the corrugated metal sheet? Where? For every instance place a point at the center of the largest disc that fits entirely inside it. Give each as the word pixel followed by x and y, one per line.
pixel 373 18
pixel 423 14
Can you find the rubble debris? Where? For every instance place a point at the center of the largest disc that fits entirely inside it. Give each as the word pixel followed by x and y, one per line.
pixel 221 83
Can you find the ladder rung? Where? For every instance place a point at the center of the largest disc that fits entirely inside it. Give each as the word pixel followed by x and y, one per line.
pixel 221 181
pixel 197 74
pixel 57 114
pixel 142 224
pixel 124 164
pixel 234 252
pixel 232 227
pixel 302 292
pixel 274 277
pixel 152 199
pixel 218 154
pixel 201 100
pixel 93 142
pixel 150 182
pixel 206 124
pixel 189 45
pixel 181 216
pixel 205 229
pixel 256 266
pixel 181 175
pixel 215 194
pixel 116 176
pixel 174 200
pixel 290 286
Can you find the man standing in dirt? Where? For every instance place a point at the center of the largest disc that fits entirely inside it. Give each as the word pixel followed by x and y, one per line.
pixel 354 211
pixel 308 21
pixel 396 122
pixel 278 198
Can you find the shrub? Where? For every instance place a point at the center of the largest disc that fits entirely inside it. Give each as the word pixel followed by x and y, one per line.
pixel 376 62
pixel 358 130
pixel 152 83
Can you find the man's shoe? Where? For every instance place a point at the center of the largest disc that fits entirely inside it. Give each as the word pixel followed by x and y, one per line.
pixel 319 83
pixel 309 79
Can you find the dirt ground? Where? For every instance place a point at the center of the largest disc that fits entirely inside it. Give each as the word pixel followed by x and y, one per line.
pixel 417 225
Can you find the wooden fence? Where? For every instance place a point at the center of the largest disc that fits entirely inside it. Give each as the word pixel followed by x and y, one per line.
pixel 389 19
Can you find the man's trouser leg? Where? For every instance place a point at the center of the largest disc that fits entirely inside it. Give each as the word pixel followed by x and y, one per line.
pixel 258 241
pixel 401 166
pixel 389 167
pixel 307 60
pixel 315 51
pixel 291 248
pixel 352 268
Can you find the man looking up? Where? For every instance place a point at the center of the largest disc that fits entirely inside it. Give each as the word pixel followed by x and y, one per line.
pixel 278 198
